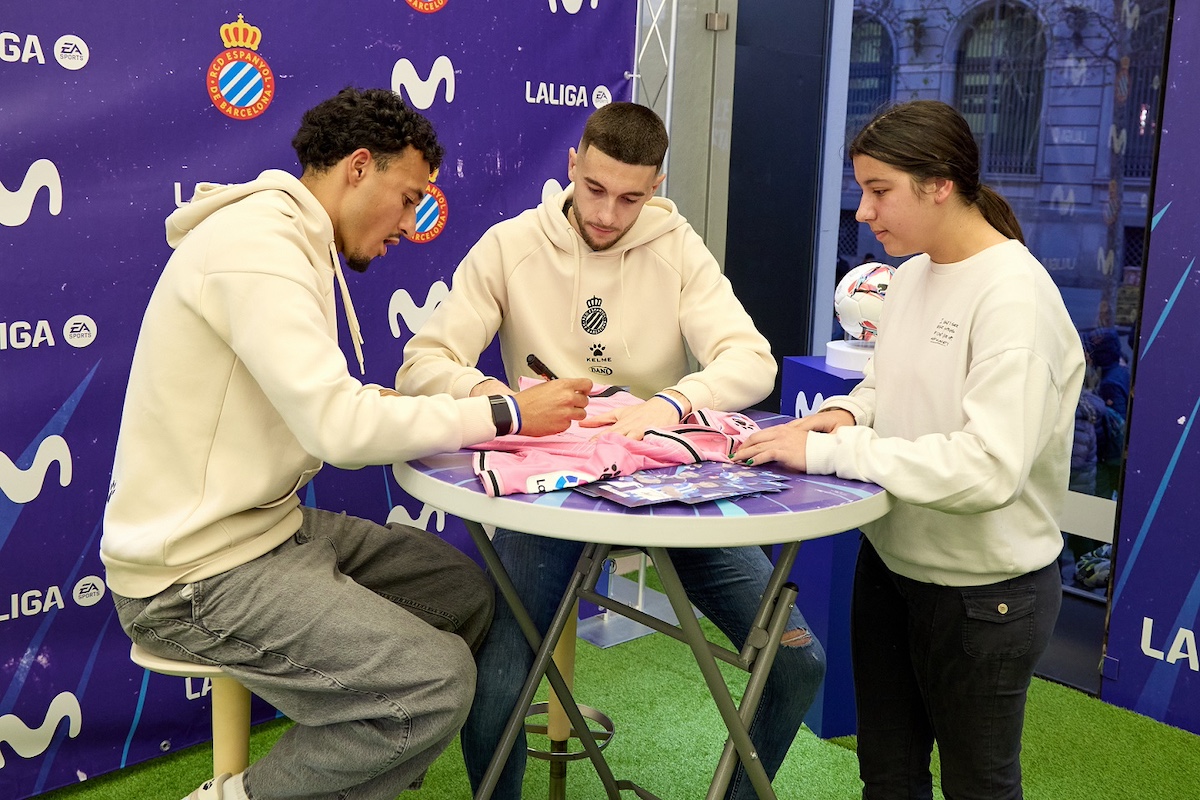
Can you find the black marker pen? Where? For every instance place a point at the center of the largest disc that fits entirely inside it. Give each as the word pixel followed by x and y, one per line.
pixel 537 366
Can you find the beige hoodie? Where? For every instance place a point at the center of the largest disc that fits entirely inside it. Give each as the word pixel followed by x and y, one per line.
pixel 627 316
pixel 238 392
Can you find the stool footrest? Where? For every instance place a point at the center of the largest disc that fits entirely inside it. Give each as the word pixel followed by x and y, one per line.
pixel 602 736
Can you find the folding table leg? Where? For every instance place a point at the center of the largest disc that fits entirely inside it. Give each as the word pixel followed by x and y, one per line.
pixel 588 567
pixel 762 645
pixel 673 588
pixel 759 671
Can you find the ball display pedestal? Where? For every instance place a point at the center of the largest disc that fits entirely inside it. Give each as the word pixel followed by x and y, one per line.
pixel 851 355
pixel 826 573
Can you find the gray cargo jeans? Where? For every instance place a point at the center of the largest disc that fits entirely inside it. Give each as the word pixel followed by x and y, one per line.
pixel 362 635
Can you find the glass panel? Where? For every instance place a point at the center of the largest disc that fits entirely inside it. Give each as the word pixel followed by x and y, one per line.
pixel 1141 106
pixel 1064 100
pixel 871 68
pixel 1000 72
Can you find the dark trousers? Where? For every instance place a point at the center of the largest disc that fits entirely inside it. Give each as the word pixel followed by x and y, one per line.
pixel 945 663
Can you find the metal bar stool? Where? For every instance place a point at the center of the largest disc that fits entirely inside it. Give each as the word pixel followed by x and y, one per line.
pixel 558 728
pixel 230 708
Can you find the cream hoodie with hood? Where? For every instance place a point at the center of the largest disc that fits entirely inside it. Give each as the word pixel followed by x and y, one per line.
pixel 627 315
pixel 965 414
pixel 238 391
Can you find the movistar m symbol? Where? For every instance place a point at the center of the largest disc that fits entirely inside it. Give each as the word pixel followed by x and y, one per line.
pixel 804 408
pixel 402 306
pixel 571 6
pixel 29 742
pixel 421 92
pixel 20 485
pixel 15 207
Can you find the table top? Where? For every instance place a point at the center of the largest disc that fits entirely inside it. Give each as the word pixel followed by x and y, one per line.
pixel 810 507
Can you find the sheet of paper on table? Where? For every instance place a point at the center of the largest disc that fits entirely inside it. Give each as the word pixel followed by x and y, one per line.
pixel 689 483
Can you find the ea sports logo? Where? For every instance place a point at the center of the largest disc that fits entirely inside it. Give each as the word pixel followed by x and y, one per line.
pixel 79 330
pixel 71 52
pixel 88 591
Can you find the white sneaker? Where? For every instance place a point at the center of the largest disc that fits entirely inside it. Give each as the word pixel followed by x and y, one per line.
pixel 211 789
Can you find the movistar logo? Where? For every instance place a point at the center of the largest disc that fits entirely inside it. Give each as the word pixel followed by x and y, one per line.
pixel 402 306
pixel 803 407
pixel 15 207
pixel 29 742
pixel 571 6
pixel 24 485
pixel 421 92
pixel 400 514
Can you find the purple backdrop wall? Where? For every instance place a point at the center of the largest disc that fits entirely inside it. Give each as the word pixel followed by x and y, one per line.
pixel 1152 664
pixel 107 121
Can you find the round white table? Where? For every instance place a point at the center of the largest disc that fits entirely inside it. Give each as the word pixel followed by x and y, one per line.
pixel 810 507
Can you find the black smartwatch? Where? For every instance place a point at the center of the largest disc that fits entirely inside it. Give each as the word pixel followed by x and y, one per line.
pixel 501 414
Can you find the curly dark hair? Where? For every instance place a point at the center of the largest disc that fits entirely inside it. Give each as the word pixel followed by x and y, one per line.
pixel 377 119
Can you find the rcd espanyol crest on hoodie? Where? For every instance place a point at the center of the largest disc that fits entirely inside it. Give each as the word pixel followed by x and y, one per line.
pixel 240 83
pixel 594 320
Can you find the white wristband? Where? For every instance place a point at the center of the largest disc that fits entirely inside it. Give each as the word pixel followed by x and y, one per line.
pixel 674 403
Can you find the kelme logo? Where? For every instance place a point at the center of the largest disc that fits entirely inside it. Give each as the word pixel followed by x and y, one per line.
pixel 240 83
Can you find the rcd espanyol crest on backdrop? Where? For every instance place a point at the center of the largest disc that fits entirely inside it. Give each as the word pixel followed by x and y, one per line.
pixel 427 6
pixel 240 82
pixel 432 213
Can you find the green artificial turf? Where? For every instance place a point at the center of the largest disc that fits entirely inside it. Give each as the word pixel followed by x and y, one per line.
pixel 668 737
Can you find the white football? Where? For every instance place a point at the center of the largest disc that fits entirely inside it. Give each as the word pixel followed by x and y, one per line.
pixel 858 299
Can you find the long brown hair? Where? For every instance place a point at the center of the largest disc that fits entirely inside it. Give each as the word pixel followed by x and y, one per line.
pixel 930 139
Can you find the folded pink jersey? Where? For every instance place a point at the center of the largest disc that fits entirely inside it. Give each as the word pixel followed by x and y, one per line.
pixel 516 464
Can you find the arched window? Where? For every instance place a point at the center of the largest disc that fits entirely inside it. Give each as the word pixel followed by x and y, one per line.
pixel 1000 65
pixel 871 68
pixel 1143 82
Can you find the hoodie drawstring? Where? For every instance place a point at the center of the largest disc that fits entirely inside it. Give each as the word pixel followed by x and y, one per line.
pixel 575 289
pixel 621 306
pixel 575 238
pixel 351 317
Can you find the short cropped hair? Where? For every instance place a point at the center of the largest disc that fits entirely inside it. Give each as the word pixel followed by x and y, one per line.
pixel 377 119
pixel 630 133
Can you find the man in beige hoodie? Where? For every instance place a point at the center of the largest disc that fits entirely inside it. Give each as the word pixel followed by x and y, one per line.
pixel 608 280
pixel 238 392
